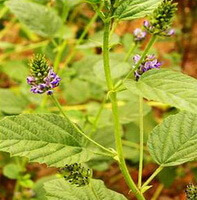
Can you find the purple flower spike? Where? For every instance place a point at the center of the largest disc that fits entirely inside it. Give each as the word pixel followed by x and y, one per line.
pixel 149 63
pixel 139 34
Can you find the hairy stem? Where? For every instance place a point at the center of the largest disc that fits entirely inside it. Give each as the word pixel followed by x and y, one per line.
pixel 80 40
pixel 141 141
pixel 59 55
pixel 117 125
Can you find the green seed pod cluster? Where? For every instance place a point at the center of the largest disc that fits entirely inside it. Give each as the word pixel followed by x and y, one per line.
pixel 161 19
pixel 76 174
pixel 39 67
pixel 191 192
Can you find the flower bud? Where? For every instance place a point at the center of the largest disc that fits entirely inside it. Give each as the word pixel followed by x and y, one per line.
pixel 161 19
pixel 191 192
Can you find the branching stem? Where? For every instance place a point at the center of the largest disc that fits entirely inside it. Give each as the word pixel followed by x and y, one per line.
pixel 117 125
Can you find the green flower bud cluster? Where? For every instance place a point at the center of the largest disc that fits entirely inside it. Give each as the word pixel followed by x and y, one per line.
pixel 191 192
pixel 161 19
pixel 76 174
pixel 39 67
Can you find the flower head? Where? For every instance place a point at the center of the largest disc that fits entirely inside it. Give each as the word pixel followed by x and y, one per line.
pixel 76 174
pixel 191 192
pixel 149 63
pixel 161 19
pixel 139 34
pixel 43 78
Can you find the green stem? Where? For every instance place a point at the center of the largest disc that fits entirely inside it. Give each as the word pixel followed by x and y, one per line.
pixel 117 126
pixel 20 49
pixel 16 189
pixel 141 141
pixel 3 11
pixel 56 102
pixel 65 12
pixel 94 125
pixel 130 52
pixel 59 55
pixel 106 56
pixel 157 192
pixel 157 171
pixel 80 40
pixel 114 25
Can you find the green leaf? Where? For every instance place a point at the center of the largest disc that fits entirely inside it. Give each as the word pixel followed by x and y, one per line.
pixel 128 10
pixel 168 87
pixel 11 103
pixel 38 18
pixel 60 189
pixel 12 171
pixel 44 138
pixel 175 140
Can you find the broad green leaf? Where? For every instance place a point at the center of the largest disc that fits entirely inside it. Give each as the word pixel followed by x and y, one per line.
pixel 128 9
pixel 11 103
pixel 174 141
pixel 38 18
pixel 60 189
pixel 44 138
pixel 166 86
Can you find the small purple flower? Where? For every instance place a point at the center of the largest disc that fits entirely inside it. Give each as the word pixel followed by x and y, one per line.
pixel 149 63
pixel 170 32
pixel 136 58
pixel 146 24
pixel 30 80
pixel 139 34
pixel 40 86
